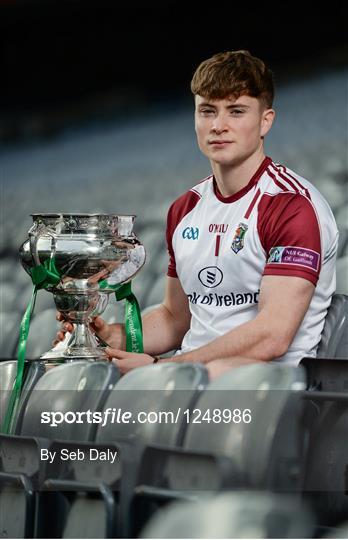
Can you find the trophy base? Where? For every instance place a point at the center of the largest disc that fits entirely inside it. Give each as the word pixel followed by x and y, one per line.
pixel 80 345
pixel 55 356
pixel 88 353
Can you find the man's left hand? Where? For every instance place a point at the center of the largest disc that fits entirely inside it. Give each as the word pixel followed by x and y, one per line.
pixel 126 361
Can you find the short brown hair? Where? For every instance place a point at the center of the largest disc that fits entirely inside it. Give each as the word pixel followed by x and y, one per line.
pixel 232 74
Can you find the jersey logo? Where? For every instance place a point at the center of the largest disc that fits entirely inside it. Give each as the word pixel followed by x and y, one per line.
pixel 211 276
pixel 294 255
pixel 238 239
pixel 190 233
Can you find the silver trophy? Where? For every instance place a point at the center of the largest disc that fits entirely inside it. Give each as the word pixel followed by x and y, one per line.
pixel 92 255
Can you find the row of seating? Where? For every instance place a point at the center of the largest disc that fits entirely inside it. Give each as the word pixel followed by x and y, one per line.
pixel 299 420
pixel 293 434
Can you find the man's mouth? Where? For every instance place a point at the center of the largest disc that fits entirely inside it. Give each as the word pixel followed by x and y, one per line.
pixel 219 142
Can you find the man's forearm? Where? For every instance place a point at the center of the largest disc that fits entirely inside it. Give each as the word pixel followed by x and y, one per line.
pixel 254 339
pixel 162 332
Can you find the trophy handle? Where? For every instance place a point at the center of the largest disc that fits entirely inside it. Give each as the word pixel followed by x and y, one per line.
pixel 35 232
pixel 33 238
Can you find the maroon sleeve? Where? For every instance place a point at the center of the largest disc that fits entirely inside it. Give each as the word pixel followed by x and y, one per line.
pixel 169 234
pixel 178 210
pixel 289 231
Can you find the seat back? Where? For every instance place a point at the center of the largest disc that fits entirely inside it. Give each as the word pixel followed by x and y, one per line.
pixel 162 388
pixel 8 371
pixel 256 423
pixel 87 518
pixel 342 275
pixel 9 324
pixel 43 329
pixel 13 506
pixel 76 387
pixel 334 338
pixel 326 465
pixel 233 515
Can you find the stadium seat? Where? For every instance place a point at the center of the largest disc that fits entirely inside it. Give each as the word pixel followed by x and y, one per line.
pixel 257 447
pixel 33 371
pixel 233 515
pixel 342 275
pixel 9 324
pixel 337 532
pixel 326 464
pixel 334 338
pixel 18 459
pixel 43 329
pixel 90 517
pixel 152 389
pixel 342 249
pixel 76 386
pixel 8 372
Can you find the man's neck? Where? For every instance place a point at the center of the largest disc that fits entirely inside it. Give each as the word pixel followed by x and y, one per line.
pixel 231 179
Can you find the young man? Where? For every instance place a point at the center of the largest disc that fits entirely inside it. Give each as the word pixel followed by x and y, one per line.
pixel 252 247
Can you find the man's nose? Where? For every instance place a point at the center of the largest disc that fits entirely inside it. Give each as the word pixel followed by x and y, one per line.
pixel 219 124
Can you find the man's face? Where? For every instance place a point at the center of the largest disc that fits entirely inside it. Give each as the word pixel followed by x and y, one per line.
pixel 231 130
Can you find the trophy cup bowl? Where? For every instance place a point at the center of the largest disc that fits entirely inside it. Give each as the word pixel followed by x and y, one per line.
pixel 92 254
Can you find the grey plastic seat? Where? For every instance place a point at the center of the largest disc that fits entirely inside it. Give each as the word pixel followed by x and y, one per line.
pixel 8 372
pixel 33 371
pixel 342 249
pixel 9 324
pixel 150 389
pixel 161 387
pixel 88 518
pixel 338 532
pixel 76 387
pixel 9 295
pixel 43 329
pixel 334 338
pixel 253 442
pixel 271 392
pixel 342 275
pixel 233 515
pixel 325 464
pixel 15 500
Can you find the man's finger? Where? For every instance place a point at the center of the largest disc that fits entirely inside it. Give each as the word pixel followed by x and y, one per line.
pixel 115 353
pixel 98 323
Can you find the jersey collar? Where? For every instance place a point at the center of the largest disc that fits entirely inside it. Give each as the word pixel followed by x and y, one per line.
pixel 256 177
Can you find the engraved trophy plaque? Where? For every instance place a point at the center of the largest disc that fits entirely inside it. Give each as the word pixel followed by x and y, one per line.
pixel 81 259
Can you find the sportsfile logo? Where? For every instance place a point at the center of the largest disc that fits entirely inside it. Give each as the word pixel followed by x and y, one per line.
pixel 190 233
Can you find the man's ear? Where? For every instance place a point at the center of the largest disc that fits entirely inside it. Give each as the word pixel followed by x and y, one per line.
pixel 267 119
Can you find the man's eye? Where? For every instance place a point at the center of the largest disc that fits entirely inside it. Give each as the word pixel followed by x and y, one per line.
pixel 206 112
pixel 237 112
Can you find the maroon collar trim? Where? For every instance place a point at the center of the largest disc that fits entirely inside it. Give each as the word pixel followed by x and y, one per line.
pixel 256 177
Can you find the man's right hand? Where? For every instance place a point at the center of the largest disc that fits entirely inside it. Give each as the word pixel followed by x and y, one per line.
pixel 113 334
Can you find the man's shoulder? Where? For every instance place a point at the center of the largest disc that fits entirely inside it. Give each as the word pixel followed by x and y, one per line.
pixel 285 180
pixel 288 184
pixel 192 196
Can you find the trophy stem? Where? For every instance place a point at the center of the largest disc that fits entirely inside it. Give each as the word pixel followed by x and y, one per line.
pixel 83 344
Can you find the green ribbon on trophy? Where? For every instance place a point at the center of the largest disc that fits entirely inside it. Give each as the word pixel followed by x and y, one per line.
pixel 43 276
pixel 133 324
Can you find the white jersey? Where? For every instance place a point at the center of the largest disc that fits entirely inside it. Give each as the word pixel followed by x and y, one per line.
pixel 220 247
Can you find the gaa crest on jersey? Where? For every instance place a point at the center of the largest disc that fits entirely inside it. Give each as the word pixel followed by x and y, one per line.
pixel 238 239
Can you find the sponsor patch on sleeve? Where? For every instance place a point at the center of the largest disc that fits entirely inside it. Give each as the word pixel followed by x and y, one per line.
pixel 294 255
